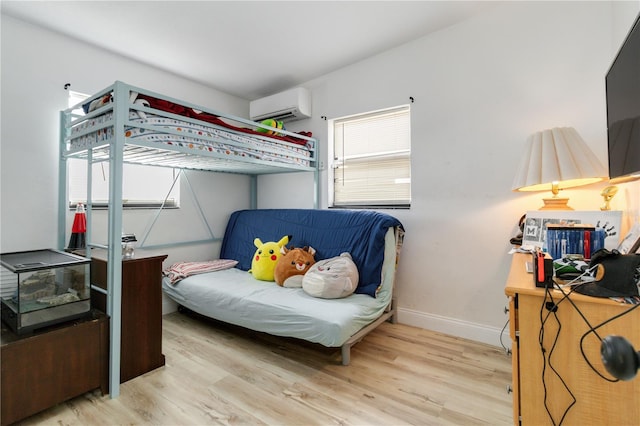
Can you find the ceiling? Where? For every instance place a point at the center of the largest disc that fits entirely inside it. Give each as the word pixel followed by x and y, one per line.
pixel 249 49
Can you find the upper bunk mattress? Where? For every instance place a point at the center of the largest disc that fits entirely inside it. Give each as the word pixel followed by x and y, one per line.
pixel 153 128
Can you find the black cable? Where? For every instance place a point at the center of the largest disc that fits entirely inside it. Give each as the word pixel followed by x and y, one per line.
pixel 552 308
pixel 507 350
pixel 566 296
pixel 543 350
pixel 593 330
pixel 555 342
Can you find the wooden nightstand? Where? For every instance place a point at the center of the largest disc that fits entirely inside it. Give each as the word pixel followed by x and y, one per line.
pixel 141 331
pixel 598 401
pixel 52 365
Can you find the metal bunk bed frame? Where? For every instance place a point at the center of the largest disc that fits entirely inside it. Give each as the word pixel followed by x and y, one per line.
pixel 117 151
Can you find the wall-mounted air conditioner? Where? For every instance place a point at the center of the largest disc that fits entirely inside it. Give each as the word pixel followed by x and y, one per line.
pixel 290 105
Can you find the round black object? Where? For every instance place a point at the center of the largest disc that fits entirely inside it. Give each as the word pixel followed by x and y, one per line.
pixel 619 357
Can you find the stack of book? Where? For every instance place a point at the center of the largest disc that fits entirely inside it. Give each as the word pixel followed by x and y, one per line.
pixel 563 240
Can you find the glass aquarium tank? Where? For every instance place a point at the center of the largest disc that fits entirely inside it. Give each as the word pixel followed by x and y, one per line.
pixel 43 287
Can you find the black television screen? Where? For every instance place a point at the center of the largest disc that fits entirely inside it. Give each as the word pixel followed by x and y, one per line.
pixel 623 109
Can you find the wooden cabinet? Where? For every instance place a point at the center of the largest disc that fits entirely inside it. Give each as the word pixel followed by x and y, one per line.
pixel 553 347
pixel 52 365
pixel 141 327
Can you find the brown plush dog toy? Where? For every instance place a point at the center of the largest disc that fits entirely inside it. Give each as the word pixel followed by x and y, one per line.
pixel 292 265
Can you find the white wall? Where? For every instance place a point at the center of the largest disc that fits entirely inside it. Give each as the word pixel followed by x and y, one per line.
pixel 35 66
pixel 480 88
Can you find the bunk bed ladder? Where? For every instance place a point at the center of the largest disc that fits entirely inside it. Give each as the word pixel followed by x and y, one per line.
pixel 62 183
pixel 114 228
pixel 114 240
pixel 114 251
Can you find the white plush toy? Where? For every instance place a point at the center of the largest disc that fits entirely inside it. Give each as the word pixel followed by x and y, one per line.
pixel 332 278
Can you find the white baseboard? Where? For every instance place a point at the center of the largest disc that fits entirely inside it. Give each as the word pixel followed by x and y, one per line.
pixel 455 327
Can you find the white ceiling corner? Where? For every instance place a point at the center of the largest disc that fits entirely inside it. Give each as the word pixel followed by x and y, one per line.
pixel 249 49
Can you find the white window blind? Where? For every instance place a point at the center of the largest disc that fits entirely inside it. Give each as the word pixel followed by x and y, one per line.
pixel 372 159
pixel 142 187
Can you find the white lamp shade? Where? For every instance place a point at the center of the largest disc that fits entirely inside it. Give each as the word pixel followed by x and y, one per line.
pixel 557 155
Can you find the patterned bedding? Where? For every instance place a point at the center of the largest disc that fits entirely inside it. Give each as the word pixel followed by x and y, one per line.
pixel 210 134
pixel 201 137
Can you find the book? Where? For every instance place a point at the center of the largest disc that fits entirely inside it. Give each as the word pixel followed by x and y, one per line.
pixel 572 239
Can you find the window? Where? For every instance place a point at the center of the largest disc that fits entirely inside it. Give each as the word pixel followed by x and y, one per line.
pixel 371 164
pixel 143 186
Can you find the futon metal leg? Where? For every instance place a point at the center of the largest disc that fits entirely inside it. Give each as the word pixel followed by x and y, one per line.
pixel 346 354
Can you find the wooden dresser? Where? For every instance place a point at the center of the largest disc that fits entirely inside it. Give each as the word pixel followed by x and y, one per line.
pixel 52 365
pixel 141 327
pixel 597 401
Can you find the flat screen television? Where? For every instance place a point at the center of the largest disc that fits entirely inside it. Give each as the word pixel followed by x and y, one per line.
pixel 623 109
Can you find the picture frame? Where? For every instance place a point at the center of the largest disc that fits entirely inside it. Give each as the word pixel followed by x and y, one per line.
pixel 631 242
pixel 536 221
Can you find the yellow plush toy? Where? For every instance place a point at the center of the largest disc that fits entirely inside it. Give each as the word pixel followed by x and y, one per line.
pixel 266 257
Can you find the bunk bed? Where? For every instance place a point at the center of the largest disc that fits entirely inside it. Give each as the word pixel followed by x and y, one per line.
pixel 126 124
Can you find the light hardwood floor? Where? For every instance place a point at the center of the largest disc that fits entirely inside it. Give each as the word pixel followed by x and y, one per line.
pixel 220 374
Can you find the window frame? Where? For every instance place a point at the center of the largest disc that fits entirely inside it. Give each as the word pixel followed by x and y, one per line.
pixel 335 162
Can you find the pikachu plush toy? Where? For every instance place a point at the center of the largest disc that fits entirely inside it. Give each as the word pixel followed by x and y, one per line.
pixel 266 257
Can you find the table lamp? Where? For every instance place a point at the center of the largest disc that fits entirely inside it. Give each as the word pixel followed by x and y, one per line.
pixel 556 159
